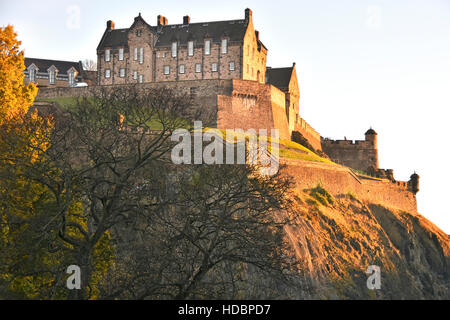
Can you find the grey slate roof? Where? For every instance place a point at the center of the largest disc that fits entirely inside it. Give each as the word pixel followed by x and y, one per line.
pixel 115 38
pixel 166 34
pixel 234 30
pixel 62 66
pixel 279 77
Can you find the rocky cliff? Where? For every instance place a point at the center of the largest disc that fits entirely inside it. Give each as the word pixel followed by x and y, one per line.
pixel 337 236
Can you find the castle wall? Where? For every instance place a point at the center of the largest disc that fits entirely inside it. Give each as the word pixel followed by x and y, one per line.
pixel 227 104
pixel 360 154
pixel 308 132
pixel 339 180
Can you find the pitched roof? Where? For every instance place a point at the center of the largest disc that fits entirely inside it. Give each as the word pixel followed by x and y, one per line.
pixel 279 77
pixel 62 66
pixel 233 29
pixel 114 38
pixel 166 34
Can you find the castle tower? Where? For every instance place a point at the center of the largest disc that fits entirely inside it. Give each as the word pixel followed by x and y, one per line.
pixel 413 183
pixel 371 138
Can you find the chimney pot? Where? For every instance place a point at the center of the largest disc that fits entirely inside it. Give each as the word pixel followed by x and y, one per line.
pixel 161 21
pixel 186 20
pixel 248 15
pixel 110 25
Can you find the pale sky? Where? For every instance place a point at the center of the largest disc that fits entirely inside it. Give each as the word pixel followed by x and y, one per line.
pixel 384 64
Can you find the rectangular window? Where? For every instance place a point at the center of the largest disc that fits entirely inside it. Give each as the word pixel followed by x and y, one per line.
pixel 107 55
pixel 135 75
pixel 208 47
pixel 182 68
pixel 138 32
pixel 198 67
pixel 166 70
pixel 135 54
pixel 51 77
pixel 231 66
pixel 120 54
pixel 174 49
pixel 224 46
pixel 122 73
pixel 141 55
pixel 107 73
pixel 71 78
pixel 141 78
pixel 214 67
pixel 191 48
pixel 32 75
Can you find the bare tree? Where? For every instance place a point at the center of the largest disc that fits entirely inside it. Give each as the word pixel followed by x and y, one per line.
pixel 89 65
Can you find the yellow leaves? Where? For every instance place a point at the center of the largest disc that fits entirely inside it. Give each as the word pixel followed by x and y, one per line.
pixel 15 97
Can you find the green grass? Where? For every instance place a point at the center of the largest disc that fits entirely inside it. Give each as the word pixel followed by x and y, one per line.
pixel 322 195
pixel 63 102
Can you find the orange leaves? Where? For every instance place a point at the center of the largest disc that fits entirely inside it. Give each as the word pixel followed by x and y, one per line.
pixel 15 97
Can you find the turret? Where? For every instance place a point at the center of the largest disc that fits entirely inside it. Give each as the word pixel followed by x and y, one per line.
pixel 371 136
pixel 413 183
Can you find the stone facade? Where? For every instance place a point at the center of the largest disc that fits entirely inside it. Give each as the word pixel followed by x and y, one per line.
pixel 188 51
pixel 359 154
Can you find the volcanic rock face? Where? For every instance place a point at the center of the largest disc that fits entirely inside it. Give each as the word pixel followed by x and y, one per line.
pixel 337 238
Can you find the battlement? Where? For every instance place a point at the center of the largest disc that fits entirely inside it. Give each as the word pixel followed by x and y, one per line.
pixel 356 154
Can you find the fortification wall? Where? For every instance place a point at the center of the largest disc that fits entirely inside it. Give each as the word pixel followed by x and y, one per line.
pixel 226 104
pixel 339 180
pixel 308 132
pixel 360 154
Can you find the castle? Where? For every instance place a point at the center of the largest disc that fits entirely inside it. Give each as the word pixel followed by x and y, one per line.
pixel 222 65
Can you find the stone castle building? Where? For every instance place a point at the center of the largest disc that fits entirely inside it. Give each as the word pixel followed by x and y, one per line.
pixel 222 64
pixel 187 51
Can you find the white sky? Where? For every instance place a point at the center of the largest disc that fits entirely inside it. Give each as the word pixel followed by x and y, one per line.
pixel 384 64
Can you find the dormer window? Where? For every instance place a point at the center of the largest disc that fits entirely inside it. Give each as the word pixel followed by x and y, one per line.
pixel 71 74
pixel 32 69
pixel 224 45
pixel 107 55
pixel 207 46
pixel 52 74
pixel 174 49
pixel 32 75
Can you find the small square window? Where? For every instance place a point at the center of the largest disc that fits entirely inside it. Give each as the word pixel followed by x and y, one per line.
pixel 166 70
pixel 182 68
pixel 214 67
pixel 198 67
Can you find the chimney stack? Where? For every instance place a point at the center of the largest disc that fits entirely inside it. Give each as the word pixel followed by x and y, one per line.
pixel 110 25
pixel 248 15
pixel 162 21
pixel 186 20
